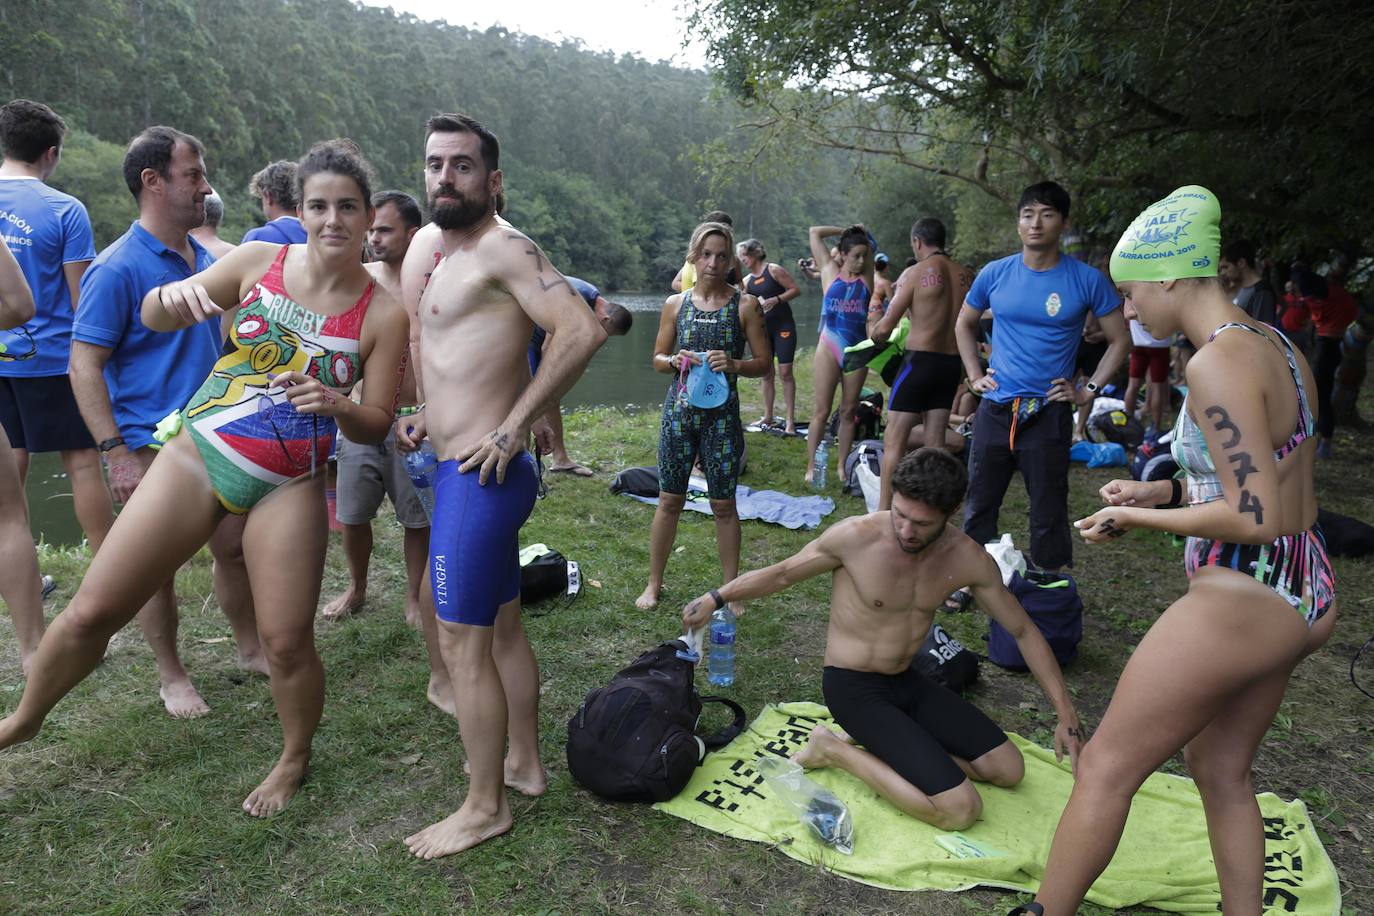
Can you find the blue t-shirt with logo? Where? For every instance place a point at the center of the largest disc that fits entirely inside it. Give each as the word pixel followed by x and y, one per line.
pixel 1037 320
pixel 284 230
pixel 149 374
pixel 45 229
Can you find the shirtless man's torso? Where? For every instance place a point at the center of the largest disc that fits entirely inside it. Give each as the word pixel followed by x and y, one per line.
pixel 890 571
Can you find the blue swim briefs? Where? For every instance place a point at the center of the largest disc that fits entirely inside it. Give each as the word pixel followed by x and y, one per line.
pixel 474 547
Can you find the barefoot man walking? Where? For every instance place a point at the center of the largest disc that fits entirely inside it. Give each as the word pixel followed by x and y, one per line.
pixel 476 317
pixel 919 745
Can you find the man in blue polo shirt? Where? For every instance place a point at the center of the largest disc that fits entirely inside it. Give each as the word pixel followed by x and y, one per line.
pixel 275 189
pixel 616 320
pixel 49 234
pixel 1039 298
pixel 127 378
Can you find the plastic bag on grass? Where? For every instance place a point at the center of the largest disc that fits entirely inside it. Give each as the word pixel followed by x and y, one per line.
pixel 1009 559
pixel 817 806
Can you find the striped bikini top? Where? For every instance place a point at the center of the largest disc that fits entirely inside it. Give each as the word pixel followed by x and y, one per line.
pixel 1189 447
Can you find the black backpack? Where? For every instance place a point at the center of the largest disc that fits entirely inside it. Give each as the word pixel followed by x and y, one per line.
pixel 1116 426
pixel 547 575
pixel 1153 461
pixel 944 660
pixel 635 739
pixel 869 451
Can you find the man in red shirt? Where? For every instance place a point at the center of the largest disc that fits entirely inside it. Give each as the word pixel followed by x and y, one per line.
pixel 1332 311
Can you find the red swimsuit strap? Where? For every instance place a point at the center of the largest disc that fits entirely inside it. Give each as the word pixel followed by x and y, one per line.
pixel 273 279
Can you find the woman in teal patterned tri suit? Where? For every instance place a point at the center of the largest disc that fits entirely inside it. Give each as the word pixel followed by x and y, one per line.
pixel 710 323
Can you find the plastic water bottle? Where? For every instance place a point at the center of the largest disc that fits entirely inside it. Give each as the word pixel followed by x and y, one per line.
pixel 420 465
pixel 818 469
pixel 720 666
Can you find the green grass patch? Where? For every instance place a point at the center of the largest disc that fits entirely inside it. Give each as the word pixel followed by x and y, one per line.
pixel 115 808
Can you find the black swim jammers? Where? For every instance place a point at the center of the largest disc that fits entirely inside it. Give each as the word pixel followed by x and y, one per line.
pixel 910 723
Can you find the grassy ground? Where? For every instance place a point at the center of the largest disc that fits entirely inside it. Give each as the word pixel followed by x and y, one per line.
pixel 115 808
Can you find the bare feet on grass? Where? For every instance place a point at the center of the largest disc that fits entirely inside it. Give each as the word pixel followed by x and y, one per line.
pixel 440 693
pixel 13 732
pixel 350 600
pixel 256 663
pixel 182 700
pixel 648 599
pixel 463 829
pixel 530 781
pixel 280 786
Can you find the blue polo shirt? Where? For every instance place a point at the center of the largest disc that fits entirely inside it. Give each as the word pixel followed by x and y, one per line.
pixel 46 230
pixel 1037 320
pixel 587 292
pixel 149 374
pixel 284 230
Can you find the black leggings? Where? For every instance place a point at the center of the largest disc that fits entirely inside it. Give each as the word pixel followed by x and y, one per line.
pixel 1328 361
pixel 911 724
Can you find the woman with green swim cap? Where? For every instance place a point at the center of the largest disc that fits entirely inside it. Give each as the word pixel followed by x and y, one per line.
pixel 1209 675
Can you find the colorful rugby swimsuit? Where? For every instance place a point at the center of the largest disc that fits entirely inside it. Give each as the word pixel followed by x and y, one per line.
pixel 249 448
pixel 1294 566
pixel 844 314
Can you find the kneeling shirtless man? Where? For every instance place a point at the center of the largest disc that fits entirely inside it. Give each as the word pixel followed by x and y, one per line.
pixel 919 745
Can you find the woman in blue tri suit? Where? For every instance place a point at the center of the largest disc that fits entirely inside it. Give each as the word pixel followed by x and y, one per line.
pixel 847 279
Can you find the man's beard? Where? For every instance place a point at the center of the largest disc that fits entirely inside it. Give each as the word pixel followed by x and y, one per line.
pixel 451 210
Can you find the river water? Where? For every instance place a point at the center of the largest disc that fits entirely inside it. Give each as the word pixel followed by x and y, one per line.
pixel 621 374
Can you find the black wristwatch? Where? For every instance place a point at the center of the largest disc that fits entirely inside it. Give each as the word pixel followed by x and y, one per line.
pixel 1093 387
pixel 110 444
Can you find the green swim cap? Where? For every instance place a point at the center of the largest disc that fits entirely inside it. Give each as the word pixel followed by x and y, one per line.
pixel 1174 238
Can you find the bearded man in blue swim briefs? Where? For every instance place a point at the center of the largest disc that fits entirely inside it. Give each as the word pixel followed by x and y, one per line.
pixel 476 316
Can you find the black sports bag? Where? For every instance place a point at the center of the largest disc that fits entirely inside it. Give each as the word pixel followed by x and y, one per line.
pixel 635 739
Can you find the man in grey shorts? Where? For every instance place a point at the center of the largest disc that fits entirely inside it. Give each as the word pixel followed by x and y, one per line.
pixel 367 472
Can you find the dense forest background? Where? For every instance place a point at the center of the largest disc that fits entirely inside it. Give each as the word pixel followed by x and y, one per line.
pixel 609 161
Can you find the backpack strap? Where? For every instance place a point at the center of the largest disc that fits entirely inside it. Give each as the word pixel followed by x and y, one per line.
pixel 728 733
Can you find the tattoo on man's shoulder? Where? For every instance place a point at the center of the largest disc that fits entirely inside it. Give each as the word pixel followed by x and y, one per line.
pixel 539 262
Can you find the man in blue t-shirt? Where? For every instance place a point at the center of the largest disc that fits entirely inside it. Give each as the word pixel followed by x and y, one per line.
pixel 616 320
pixel 128 378
pixel 1039 298
pixel 49 234
pixel 275 189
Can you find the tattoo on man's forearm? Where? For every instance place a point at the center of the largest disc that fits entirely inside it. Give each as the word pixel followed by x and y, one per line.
pixel 1244 466
pixel 1250 503
pixel 1073 732
pixel 1110 530
pixel 400 380
pixel 1222 424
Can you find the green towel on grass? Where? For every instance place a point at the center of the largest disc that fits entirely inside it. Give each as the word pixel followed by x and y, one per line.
pixel 1163 861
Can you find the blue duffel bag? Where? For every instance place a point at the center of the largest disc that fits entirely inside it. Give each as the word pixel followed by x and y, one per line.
pixel 1054 606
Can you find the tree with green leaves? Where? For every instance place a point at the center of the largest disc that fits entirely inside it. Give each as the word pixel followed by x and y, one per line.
pixel 1264 101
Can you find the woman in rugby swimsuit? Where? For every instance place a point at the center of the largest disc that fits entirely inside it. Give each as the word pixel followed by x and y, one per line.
pixel 303 323
pixel 715 319
pixel 1209 675
pixel 774 287
pixel 847 278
